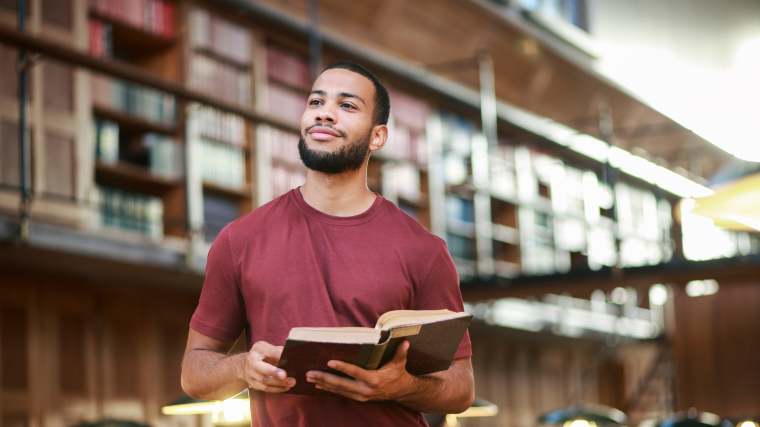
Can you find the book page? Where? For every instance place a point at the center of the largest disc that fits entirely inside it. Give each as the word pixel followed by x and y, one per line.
pixel 410 317
pixel 350 335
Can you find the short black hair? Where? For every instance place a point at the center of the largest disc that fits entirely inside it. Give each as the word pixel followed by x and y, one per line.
pixel 382 100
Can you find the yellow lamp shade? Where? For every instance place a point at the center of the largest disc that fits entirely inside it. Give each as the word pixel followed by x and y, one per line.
pixel 735 206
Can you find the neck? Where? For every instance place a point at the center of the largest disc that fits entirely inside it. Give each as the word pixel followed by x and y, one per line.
pixel 344 194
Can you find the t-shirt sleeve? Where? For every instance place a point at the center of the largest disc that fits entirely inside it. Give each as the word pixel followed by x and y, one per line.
pixel 440 289
pixel 220 313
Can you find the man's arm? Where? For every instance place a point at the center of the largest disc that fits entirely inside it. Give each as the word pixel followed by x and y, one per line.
pixel 450 391
pixel 208 372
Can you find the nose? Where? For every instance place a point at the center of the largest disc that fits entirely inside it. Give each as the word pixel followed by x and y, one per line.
pixel 325 115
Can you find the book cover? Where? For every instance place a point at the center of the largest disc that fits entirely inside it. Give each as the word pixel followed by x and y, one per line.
pixel 434 336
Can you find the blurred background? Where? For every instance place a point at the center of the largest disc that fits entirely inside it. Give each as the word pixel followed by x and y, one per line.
pixel 592 165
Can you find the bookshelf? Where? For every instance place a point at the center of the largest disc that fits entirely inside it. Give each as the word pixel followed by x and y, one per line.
pixel 219 53
pixel 53 120
pixel 287 84
pixel 137 137
pixel 505 209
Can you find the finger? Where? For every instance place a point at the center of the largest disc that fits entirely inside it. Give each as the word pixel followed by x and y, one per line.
pixel 265 369
pixel 349 369
pixel 274 381
pixel 269 388
pixel 335 383
pixel 401 352
pixel 268 351
pixel 353 396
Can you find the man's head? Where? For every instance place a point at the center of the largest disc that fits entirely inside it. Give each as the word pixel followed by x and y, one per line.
pixel 344 120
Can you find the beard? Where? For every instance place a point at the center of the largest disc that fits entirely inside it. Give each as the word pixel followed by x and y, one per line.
pixel 347 158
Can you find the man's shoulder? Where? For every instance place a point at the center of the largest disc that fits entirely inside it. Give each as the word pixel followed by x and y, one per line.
pixel 259 220
pixel 416 236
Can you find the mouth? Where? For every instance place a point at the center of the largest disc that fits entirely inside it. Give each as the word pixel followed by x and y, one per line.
pixel 323 133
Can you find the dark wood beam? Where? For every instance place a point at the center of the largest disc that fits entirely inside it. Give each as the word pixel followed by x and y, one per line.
pixel 585 281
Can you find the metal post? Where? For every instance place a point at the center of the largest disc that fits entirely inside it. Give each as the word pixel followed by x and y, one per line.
pixel 315 40
pixel 488 115
pixel 23 140
pixel 609 177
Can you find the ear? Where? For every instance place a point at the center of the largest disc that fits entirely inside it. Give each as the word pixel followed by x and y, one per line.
pixel 378 137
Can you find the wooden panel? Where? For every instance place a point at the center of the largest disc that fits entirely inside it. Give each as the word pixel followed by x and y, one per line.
pixel 72 354
pixel 717 353
pixel 59 164
pixel 58 82
pixel 14 354
pixel 57 12
pixel 9 171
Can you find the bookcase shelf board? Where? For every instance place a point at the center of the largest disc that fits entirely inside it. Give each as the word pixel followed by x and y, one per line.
pixel 131 122
pixel 134 178
pixel 224 59
pixel 230 192
pixel 133 39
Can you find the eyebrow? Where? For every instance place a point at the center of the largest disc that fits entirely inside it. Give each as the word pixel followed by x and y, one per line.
pixel 341 95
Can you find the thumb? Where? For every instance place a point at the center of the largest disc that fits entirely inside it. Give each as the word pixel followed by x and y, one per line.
pixel 401 351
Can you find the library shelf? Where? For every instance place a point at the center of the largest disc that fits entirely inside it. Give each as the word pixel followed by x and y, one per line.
pixel 135 39
pixel 131 122
pixel 134 178
pixel 221 58
pixel 240 193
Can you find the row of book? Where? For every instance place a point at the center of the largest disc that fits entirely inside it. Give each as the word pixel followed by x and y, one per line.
pixel 287 68
pixel 219 79
pixel 129 211
pixel 220 36
pixel 215 124
pixel 286 103
pixel 154 16
pixel 285 178
pixel 404 143
pixel 132 99
pixel 221 163
pixel 457 135
pixel 106 141
pixel 460 209
pixel 218 211
pixel 461 247
pixel 284 146
pixel 159 154
pixel 101 38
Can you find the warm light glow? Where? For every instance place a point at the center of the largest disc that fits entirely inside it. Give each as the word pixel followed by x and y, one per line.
pixel 702 240
pixel 699 288
pixel 479 411
pixel 734 205
pixel 747 423
pixel 658 294
pixel 192 408
pixel 232 411
pixel 579 423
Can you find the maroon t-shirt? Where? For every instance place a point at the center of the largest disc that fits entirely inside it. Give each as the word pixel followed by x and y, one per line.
pixel 287 264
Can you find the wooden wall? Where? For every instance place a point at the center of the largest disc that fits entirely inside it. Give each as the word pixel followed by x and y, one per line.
pixel 527 374
pixel 73 351
pixel 717 349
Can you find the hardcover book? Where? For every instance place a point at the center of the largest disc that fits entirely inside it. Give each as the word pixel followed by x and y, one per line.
pixel 434 336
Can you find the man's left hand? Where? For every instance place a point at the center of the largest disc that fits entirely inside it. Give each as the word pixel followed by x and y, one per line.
pixel 390 382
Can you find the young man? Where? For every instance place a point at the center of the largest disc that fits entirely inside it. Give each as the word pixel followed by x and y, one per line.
pixel 329 253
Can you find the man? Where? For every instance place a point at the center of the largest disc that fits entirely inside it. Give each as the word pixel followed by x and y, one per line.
pixel 329 253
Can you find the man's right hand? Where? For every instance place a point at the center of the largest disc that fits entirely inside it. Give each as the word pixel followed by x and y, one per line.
pixel 260 369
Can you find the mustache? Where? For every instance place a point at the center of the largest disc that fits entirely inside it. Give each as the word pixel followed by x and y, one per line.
pixel 340 133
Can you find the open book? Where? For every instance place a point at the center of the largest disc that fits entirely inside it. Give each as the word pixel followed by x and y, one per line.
pixel 434 336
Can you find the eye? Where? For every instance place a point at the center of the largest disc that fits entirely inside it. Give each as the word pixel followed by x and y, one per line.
pixel 348 106
pixel 315 102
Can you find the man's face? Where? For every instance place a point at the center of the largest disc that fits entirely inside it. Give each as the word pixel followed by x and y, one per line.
pixel 337 124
